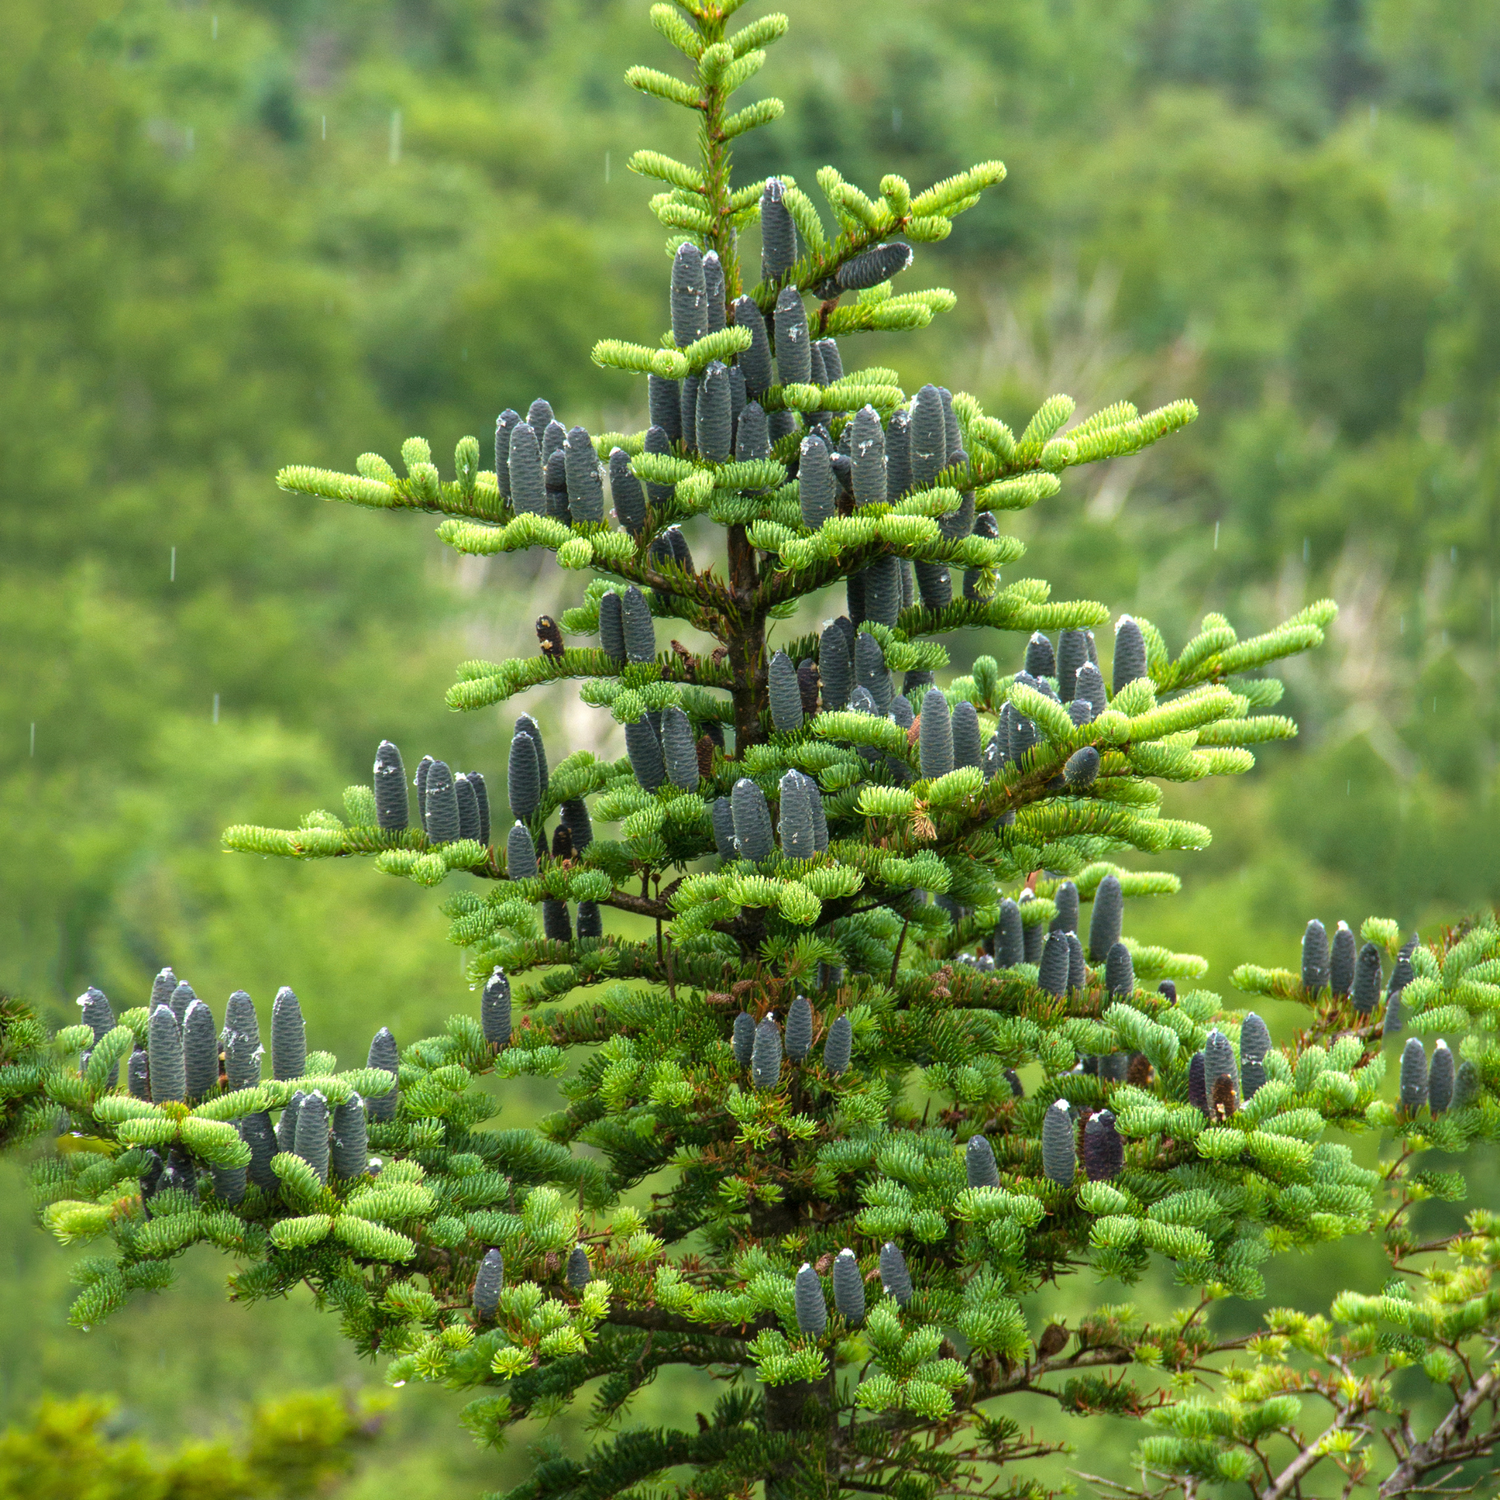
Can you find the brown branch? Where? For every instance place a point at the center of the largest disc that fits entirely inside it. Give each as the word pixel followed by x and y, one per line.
pixel 1449 1442
pixel 659 1321
pixel 642 906
pixel 1307 1459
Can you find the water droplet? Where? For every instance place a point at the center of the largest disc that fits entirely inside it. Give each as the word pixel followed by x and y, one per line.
pixel 398 1384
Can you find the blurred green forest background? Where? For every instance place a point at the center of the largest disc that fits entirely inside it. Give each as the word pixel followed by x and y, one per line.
pixel 237 235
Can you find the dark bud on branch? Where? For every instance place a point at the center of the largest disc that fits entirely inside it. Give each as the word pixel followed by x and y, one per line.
pixel 488 1285
pixel 1130 652
pixel 744 1038
pixel 288 1036
pixel 383 1054
pixel 838 1046
pixel 848 1287
pixel 520 853
pixel 778 234
pixel 1059 1151
pixel 440 812
pixel 765 1056
pixel 1103 1150
pixel 391 810
pixel 1198 1083
pixel 1106 919
pixel 895 1279
pixel 626 493
pixel 1341 961
pixel 1440 1078
pixel 494 1009
pixel 1040 661
pixel 579 1272
pixel 1413 1076
pixel 979 1163
pixel 1366 988
pixel 1315 957
pixel 812 1308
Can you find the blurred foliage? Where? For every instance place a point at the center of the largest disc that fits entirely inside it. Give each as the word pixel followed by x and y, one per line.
pixel 303 1444
pixel 242 234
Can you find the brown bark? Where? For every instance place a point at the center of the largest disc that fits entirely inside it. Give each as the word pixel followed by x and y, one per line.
pixel 747 641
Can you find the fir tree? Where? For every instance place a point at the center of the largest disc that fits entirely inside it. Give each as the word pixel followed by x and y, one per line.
pixel 846 970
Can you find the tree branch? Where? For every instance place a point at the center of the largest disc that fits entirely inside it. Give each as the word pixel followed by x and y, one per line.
pixel 1450 1440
